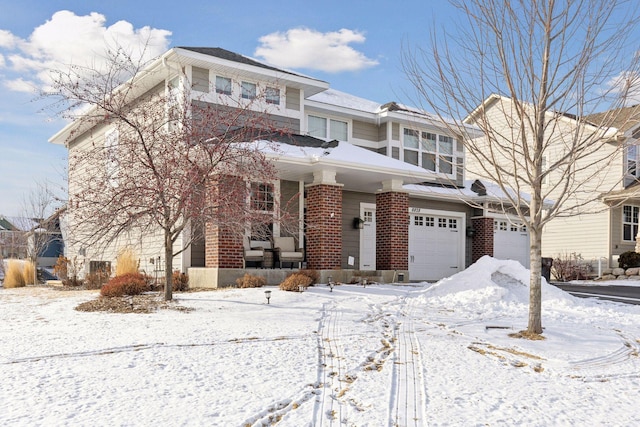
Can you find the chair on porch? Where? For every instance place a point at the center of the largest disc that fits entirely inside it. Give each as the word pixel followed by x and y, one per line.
pixel 285 249
pixel 252 254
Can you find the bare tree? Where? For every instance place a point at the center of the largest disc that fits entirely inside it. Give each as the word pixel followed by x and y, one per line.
pixel 151 158
pixel 550 64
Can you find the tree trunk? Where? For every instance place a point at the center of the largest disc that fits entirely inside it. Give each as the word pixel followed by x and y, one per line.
pixel 535 282
pixel 168 273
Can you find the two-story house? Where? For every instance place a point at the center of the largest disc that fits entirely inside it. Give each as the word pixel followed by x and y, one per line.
pixel 380 187
pixel 603 220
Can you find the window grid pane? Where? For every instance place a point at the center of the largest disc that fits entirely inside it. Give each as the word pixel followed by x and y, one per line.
pixel 273 96
pixel 223 85
pixel 317 126
pixel 248 90
pixel 411 138
pixel 338 130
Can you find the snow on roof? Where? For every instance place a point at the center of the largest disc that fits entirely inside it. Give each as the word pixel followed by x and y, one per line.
pixel 346 100
pixel 345 153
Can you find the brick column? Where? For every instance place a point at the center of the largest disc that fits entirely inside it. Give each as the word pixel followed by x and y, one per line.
pixel 223 246
pixel 482 243
pixel 324 230
pixel 392 231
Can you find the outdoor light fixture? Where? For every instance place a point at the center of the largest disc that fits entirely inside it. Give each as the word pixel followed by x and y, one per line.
pixel 364 282
pixel 300 288
pixel 268 295
pixel 331 284
pixel 470 231
pixel 358 223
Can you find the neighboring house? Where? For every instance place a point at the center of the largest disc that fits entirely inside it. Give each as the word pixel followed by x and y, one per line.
pixel 20 237
pixel 380 187
pixel 13 242
pixel 601 229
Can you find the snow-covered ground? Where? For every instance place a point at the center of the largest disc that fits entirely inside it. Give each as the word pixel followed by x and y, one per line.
pixel 384 355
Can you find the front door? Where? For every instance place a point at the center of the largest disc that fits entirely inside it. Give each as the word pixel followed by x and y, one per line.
pixel 368 237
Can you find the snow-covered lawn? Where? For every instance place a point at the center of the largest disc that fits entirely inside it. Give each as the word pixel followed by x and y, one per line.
pixel 411 355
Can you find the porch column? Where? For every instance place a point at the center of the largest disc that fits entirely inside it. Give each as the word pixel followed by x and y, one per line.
pixel 392 230
pixel 324 223
pixel 482 243
pixel 223 246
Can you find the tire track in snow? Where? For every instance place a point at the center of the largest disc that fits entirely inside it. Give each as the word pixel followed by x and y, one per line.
pixel 328 410
pixel 407 402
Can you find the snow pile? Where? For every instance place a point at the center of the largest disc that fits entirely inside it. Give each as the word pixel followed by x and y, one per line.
pixel 491 285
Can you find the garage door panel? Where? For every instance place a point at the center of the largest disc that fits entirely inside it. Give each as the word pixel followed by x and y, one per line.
pixel 511 241
pixel 434 246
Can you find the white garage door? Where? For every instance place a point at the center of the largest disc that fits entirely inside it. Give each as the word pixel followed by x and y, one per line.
pixel 511 241
pixel 436 245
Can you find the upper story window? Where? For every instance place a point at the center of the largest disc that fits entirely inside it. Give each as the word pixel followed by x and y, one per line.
pixel 223 85
pixel 429 150
pixel 248 90
pixel 629 222
pixel 200 79
pixel 272 95
pixel 632 161
pixel 322 127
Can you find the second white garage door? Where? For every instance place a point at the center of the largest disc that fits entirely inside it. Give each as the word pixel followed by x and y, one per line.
pixel 511 241
pixel 436 244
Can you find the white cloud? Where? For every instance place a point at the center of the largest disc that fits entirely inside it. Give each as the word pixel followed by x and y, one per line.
pixel 80 40
pixel 7 40
pixel 20 85
pixel 626 84
pixel 310 49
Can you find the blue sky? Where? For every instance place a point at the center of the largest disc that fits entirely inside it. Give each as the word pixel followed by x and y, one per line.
pixel 354 45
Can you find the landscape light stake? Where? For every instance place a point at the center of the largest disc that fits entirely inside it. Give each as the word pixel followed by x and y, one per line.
pixel 331 284
pixel 268 295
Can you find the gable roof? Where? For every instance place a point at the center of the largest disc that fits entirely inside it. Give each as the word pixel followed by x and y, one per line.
pixel 5 225
pixel 625 118
pixel 218 52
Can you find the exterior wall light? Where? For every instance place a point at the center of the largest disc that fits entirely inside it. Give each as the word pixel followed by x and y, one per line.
pixel 358 223
pixel 470 231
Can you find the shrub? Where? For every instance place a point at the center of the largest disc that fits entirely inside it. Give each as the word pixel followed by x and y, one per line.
pixel 96 279
pixel 293 282
pixel 629 259
pixel 179 281
pixel 13 277
pixel 29 273
pixel 61 268
pixel 126 284
pixel 311 274
pixel 251 281
pixel 569 267
pixel 127 263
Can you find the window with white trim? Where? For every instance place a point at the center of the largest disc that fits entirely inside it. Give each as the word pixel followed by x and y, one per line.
pixel 272 95
pixel 223 85
pixel 629 222
pixel 262 197
pixel 200 79
pixel 429 150
pixel 248 90
pixel 322 127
